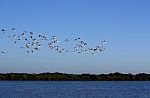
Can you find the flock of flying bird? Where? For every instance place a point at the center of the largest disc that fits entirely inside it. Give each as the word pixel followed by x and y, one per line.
pixel 32 41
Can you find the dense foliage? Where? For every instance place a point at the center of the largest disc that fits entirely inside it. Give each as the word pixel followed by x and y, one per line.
pixel 75 77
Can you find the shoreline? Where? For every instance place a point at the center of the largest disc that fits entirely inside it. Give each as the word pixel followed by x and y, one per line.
pixel 73 77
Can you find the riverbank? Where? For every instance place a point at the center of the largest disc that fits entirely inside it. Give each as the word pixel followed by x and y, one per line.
pixel 75 77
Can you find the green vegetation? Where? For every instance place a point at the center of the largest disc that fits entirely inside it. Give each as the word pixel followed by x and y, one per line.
pixel 75 77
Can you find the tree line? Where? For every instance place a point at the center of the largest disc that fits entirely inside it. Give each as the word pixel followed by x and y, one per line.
pixel 74 77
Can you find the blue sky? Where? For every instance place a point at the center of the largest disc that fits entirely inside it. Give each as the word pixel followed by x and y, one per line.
pixel 123 23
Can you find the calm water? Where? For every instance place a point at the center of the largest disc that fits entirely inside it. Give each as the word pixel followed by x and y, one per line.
pixel 74 89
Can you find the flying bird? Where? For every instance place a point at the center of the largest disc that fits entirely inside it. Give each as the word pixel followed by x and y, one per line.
pixel 104 41
pixel 3 30
pixel 66 40
pixel 32 41
pixel 3 52
pixel 13 29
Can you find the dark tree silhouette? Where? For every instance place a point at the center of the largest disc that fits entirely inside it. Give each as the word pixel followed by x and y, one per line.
pixel 75 77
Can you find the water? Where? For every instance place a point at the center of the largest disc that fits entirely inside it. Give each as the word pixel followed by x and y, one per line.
pixel 74 89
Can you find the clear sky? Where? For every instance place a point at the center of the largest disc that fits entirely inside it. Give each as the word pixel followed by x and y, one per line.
pixel 123 23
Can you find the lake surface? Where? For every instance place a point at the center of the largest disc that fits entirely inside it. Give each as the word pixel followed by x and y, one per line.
pixel 74 89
